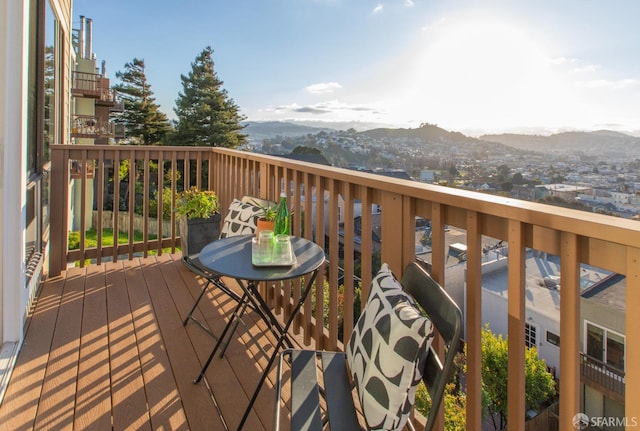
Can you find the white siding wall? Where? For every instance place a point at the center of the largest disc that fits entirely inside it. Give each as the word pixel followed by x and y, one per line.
pixel 13 90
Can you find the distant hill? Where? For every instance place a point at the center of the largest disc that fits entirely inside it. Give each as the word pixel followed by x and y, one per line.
pixel 427 132
pixel 270 129
pixel 598 142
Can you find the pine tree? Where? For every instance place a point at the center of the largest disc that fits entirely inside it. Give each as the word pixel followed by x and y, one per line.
pixel 206 114
pixel 144 123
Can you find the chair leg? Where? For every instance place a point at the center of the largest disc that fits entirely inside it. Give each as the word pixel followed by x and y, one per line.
pixel 221 339
pixel 195 304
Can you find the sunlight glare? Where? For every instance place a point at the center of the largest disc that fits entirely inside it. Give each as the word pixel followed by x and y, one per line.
pixel 478 72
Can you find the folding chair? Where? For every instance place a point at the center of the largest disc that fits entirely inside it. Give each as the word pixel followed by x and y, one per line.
pixel 241 219
pixel 388 354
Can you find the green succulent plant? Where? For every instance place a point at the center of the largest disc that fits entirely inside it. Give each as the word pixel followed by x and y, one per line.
pixel 268 211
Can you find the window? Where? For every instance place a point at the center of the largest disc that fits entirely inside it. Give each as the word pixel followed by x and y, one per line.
pixel 44 117
pixel 604 345
pixel 553 338
pixel 530 335
pixel 615 350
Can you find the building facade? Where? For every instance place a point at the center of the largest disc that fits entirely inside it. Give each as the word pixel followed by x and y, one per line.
pixel 36 59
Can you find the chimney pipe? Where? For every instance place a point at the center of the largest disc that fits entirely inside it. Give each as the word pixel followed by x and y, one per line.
pixel 81 38
pixel 88 41
pixel 103 73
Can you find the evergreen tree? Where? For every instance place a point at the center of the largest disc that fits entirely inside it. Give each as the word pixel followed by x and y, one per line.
pixel 207 116
pixel 143 121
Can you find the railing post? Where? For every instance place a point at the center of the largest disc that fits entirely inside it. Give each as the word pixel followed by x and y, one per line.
pixel 58 241
pixel 632 371
pixel 569 329
pixel 438 274
pixel 334 256
pixel 515 327
pixel 392 220
pixel 473 308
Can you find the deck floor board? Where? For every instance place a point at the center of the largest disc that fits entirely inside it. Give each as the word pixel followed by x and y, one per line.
pixel 106 349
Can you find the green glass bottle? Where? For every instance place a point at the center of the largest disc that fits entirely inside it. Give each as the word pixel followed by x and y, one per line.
pixel 282 216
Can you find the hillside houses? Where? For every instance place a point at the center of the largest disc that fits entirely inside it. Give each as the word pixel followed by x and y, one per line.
pixel 590 180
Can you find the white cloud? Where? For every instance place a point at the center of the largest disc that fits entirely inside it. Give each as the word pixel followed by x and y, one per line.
pixel 603 83
pixel 378 8
pixel 336 109
pixel 586 69
pixel 561 60
pixel 408 3
pixel 323 87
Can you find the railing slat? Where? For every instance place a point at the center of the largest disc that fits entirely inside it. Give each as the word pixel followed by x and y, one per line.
pixel 132 202
pixel 474 322
pixel 100 198
pixel 632 373
pixel 319 238
pixel 146 177
pixel 392 227
pixel 83 206
pixel 348 240
pixel 569 329
pixel 308 234
pixel 334 256
pixel 116 203
pixel 516 326
pixel 367 243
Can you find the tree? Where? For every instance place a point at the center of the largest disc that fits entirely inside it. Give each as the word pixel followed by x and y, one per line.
pixel 455 400
pixel 143 121
pixel 206 114
pixel 299 150
pixel 517 178
pixel 506 186
pixel 539 383
pixel 503 172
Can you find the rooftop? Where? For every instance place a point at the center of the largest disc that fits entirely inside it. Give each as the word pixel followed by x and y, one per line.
pixel 543 284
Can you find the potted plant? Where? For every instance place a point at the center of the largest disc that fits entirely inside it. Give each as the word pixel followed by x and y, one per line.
pixel 266 219
pixel 198 218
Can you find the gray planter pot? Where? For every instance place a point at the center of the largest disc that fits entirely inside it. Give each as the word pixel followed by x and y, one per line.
pixel 198 232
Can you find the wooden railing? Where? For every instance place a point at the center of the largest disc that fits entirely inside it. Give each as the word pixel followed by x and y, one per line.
pixel 92 85
pixel 602 376
pixel 89 126
pixel 326 200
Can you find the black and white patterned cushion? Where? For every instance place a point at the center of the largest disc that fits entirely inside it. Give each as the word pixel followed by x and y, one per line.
pixel 388 343
pixel 242 218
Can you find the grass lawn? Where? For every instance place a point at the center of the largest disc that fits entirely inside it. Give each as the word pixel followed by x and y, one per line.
pixel 91 239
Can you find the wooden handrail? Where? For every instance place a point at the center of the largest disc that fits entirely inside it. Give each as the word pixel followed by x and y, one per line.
pixel 602 374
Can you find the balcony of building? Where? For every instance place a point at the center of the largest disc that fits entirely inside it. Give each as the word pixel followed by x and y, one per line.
pixel 132 361
pixel 90 126
pixel 605 378
pixel 94 86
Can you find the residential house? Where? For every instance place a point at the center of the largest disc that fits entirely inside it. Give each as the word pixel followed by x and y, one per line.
pixel 602 324
pixel 92 103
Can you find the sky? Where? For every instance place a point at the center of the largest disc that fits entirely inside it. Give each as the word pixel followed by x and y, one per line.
pixel 473 66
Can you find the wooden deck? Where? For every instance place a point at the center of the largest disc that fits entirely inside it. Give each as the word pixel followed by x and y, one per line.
pixel 105 349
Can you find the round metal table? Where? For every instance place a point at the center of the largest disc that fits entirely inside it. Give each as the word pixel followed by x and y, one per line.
pixel 232 257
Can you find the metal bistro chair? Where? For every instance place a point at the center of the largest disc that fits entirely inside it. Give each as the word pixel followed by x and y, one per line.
pixel 241 219
pixel 340 369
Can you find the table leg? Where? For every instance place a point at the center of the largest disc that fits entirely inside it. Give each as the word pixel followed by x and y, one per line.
pixel 268 317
